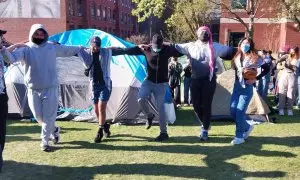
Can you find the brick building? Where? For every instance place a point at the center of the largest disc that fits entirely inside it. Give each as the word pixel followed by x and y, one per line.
pixel 112 16
pixel 269 31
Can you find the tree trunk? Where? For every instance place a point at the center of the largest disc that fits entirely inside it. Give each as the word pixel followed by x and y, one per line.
pixel 251 16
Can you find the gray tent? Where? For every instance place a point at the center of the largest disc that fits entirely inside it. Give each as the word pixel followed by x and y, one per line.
pixel 74 92
pixel 257 109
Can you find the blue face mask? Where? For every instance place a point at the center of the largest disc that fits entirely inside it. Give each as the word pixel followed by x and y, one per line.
pixel 245 48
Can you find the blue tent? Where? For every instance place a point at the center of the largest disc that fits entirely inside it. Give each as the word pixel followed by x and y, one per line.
pixel 82 37
pixel 127 74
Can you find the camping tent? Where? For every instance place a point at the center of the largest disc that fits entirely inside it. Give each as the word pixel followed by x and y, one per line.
pixel 127 73
pixel 257 109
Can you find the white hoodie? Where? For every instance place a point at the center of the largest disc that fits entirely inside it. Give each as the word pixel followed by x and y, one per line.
pixel 40 60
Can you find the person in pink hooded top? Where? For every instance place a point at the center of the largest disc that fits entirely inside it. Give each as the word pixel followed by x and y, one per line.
pixel 203 53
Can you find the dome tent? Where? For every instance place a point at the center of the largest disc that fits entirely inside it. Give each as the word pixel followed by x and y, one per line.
pixel 127 73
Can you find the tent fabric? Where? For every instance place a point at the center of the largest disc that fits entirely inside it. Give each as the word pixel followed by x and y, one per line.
pixel 222 97
pixel 127 74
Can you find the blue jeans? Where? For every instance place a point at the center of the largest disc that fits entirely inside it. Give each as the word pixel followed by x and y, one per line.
pixel 240 100
pixel 263 86
pixel 159 92
pixel 187 84
pixel 298 96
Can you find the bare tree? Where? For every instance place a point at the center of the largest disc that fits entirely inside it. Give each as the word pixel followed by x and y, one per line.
pixel 251 8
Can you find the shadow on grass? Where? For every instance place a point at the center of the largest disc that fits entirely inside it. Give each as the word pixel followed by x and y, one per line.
pixel 33 128
pixel 22 171
pixel 20 138
pixel 216 157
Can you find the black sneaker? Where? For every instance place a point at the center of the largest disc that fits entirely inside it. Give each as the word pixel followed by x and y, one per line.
pixel 99 136
pixel 56 136
pixel 1 159
pixel 149 121
pixel 106 130
pixel 46 148
pixel 162 137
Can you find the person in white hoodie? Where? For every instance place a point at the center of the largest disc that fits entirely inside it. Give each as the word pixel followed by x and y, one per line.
pixel 39 58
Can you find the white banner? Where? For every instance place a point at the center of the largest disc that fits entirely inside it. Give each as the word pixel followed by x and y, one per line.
pixel 29 8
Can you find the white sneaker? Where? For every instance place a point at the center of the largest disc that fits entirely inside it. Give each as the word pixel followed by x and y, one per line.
pixel 237 141
pixel 290 112
pixel 247 133
pixel 281 112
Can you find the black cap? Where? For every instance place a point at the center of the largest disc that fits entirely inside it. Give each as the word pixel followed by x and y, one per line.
pixel 95 40
pixel 2 32
pixel 157 41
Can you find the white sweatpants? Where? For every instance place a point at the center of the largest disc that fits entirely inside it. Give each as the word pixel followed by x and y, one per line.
pixel 43 105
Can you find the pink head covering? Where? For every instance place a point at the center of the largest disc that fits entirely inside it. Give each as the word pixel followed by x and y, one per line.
pixel 211 49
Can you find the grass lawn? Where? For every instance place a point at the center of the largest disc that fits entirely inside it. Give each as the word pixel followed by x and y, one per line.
pixel 272 152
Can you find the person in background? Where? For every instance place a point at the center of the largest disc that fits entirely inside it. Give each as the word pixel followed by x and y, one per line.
pixel 203 54
pixel 175 69
pixel 187 83
pixel 3 101
pixel 39 58
pixel 273 71
pixel 263 83
pixel 280 64
pixel 245 64
pixel 298 80
pixel 287 80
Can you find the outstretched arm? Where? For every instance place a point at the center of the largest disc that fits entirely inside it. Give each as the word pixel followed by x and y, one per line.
pixel 66 51
pixel 85 56
pixel 136 50
pixel 13 53
pixel 182 48
pixel 224 52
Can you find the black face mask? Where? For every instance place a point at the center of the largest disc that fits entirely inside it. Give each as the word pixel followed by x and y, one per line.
pixel 203 36
pixel 37 41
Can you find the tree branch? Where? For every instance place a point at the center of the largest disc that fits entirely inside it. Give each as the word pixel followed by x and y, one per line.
pixel 238 18
pixel 256 6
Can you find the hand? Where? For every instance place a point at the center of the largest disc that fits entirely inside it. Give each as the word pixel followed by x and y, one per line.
pixel 19 45
pixel 250 82
pixel 144 47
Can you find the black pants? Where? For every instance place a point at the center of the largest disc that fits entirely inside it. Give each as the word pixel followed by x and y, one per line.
pixel 203 91
pixel 176 94
pixel 3 117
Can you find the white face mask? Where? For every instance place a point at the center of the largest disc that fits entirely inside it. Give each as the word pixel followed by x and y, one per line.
pixel 156 50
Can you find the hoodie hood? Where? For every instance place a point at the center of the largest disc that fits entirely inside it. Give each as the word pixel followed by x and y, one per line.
pixel 34 28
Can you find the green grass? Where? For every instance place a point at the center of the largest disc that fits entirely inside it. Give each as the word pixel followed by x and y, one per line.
pixel 272 152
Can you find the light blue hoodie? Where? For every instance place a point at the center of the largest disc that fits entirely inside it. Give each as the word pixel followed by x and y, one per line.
pixel 40 60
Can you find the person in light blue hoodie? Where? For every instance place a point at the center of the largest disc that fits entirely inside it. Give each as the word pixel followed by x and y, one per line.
pixel 39 58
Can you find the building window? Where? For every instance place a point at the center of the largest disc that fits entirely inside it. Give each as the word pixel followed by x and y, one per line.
pixel 238 4
pixel 72 26
pixel 108 14
pixel 92 10
pixel 114 15
pixel 71 8
pixel 104 13
pixel 99 12
pixel 235 37
pixel 79 7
